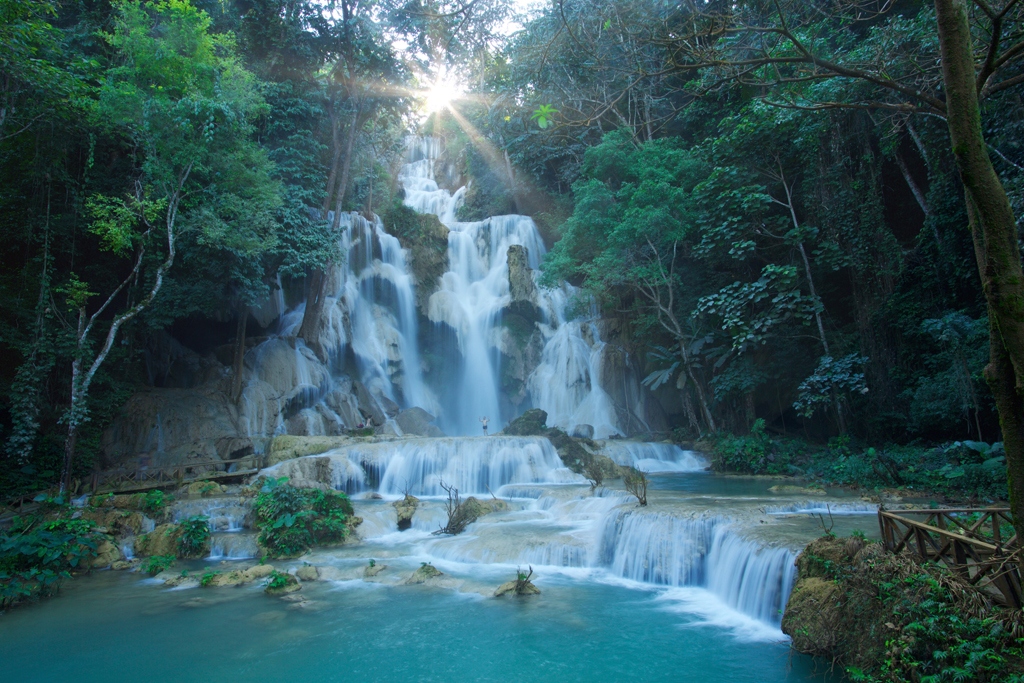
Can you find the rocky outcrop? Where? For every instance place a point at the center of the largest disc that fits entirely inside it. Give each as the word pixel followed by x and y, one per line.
pixel 801 490
pixel 531 423
pixel 417 422
pixel 516 588
pixel 471 509
pixel 406 508
pixel 424 574
pixel 583 432
pixel 521 287
pixel 281 584
pixel 107 553
pixel 373 570
pixel 240 577
pixel 163 540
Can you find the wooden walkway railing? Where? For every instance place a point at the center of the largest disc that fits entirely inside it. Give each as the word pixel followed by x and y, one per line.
pixel 978 543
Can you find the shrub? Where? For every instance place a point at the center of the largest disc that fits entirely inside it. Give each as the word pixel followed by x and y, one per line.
pixel 194 536
pixel 158 563
pixel 154 502
pixel 277 580
pixel 636 483
pixel 207 576
pixel 35 557
pixel 293 520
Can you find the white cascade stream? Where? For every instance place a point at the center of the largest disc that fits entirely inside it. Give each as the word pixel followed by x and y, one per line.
pixel 554 519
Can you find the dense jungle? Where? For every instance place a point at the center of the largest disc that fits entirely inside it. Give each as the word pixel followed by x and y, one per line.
pixel 728 282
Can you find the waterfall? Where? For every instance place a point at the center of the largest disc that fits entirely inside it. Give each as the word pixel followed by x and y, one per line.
pixel 702 551
pixel 653 457
pixel 473 465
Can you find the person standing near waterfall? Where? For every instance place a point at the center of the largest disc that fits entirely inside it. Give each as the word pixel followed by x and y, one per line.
pixel 484 420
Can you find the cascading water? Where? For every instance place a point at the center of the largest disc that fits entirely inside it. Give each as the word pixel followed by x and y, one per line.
pixel 470 300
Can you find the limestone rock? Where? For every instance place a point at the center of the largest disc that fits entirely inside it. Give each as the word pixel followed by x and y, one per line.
pixel 107 553
pixel 472 509
pixel 308 573
pixel 583 431
pixel 291 585
pixel 521 287
pixel 418 422
pixel 406 508
pixel 425 573
pixel 163 540
pixel 370 572
pixel 121 565
pixel 531 423
pixel 824 555
pixel 368 405
pixel 201 489
pixel 240 577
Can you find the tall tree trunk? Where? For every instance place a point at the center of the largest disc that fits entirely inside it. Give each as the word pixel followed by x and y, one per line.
pixel 312 316
pixel 239 360
pixel 994 232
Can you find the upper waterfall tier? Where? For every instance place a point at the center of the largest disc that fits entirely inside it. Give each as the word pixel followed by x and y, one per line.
pixel 472 297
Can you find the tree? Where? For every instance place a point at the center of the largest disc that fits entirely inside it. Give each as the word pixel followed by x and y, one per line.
pixel 178 95
pixel 865 55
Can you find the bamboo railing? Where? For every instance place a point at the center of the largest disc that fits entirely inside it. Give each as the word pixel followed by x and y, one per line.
pixel 983 549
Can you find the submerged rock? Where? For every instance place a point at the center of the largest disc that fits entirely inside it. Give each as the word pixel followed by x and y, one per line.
pixel 425 573
pixel 308 573
pixel 240 577
pixel 405 509
pixel 802 490
pixel 516 588
pixel 370 572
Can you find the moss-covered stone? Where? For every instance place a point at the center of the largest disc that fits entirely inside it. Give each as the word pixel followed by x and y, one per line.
pixel 424 574
pixel 163 540
pixel 531 423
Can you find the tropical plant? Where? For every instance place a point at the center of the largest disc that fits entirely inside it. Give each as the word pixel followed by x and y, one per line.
pixel 293 520
pixel 194 536
pixel 157 563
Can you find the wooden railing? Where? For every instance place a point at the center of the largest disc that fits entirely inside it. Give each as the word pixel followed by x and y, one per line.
pixel 977 543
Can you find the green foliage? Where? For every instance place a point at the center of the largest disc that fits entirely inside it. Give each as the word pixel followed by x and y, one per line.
pixel 277 580
pixel 36 555
pixel 154 502
pixel 833 376
pixel 755 453
pixel 194 536
pixel 207 577
pixel 937 642
pixel 157 563
pixel 293 520
pixel 544 115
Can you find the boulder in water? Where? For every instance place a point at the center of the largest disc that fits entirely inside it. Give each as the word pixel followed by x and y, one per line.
pixel 425 573
pixel 282 584
pixel 417 421
pixel 521 585
pixel 107 553
pixel 406 508
pixel 583 432
pixel 531 423
pixel 472 509
pixel 373 570
pixel 368 406
pixel 308 573
pixel 802 490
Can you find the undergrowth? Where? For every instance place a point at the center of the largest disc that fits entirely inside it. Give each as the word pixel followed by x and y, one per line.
pixel 293 520
pixel 37 554
pixel 969 470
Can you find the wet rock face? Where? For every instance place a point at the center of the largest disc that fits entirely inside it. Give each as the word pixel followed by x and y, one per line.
pixel 418 422
pixel 406 508
pixel 521 287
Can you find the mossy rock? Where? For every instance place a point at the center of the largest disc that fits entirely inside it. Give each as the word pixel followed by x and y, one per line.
pixel 813 618
pixel 471 509
pixel 828 556
pixel 516 588
pixel 290 586
pixel 405 509
pixel 425 573
pixel 163 540
pixel 531 423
